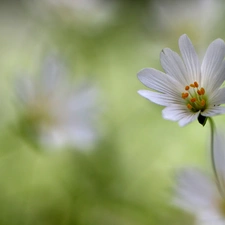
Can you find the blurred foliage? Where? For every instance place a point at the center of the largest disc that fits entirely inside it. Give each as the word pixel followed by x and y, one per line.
pixel 128 178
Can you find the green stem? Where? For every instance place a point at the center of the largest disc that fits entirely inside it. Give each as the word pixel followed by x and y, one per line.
pixel 212 129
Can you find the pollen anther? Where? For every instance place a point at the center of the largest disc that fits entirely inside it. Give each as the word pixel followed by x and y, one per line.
pixel 196 84
pixel 202 90
pixel 189 106
pixel 193 99
pixel 202 102
pixel 185 95
pixel 187 88
pixel 192 85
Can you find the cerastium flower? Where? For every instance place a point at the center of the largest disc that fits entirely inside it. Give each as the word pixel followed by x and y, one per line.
pixel 187 89
pixel 57 113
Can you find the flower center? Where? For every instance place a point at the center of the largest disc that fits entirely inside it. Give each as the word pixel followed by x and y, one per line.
pixel 195 97
pixel 39 114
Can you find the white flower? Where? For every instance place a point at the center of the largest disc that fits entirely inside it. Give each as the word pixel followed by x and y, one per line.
pixel 100 13
pixel 196 193
pixel 188 90
pixel 191 15
pixel 56 113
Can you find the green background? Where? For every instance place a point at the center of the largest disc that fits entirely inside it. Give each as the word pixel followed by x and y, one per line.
pixel 128 178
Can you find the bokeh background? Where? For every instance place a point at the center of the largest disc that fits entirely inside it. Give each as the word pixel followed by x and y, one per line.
pixel 127 178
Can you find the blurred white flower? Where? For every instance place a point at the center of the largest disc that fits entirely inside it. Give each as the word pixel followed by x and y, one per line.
pixel 191 14
pixel 196 193
pixel 88 13
pixel 188 90
pixel 55 112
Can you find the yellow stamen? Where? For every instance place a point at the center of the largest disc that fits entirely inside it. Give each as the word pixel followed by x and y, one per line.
pixel 185 95
pixel 196 84
pixel 199 92
pixel 193 99
pixel 202 90
pixel 202 102
pixel 189 106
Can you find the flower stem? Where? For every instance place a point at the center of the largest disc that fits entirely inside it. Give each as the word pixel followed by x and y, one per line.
pixel 213 130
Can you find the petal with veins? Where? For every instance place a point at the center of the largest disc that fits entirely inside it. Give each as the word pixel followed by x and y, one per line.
pixel 211 66
pixel 179 113
pixel 213 111
pixel 158 98
pixel 190 58
pixel 174 66
pixel 159 81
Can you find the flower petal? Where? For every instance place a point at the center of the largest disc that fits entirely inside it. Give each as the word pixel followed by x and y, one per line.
pixel 174 66
pixel 197 194
pixel 211 217
pixel 213 111
pixel 217 97
pixel 160 82
pixel 179 113
pixel 25 90
pixel 212 75
pixel 188 119
pixel 158 98
pixel 194 191
pixel 190 58
pixel 52 75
